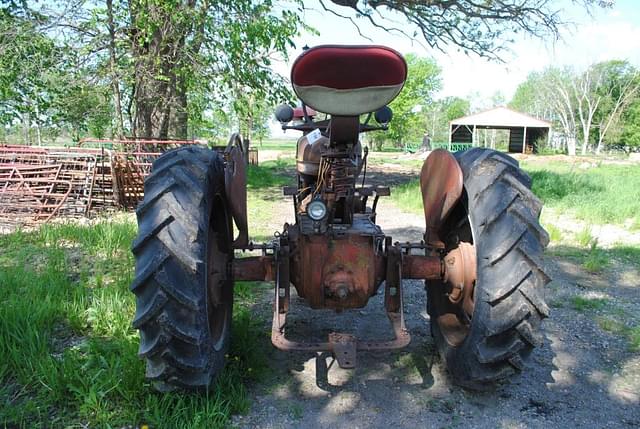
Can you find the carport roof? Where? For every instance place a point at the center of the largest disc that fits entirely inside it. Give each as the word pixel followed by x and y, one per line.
pixel 501 117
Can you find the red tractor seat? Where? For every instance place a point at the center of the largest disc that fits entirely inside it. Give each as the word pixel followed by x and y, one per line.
pixel 348 80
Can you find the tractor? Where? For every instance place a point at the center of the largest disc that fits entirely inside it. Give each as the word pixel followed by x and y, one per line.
pixel 480 256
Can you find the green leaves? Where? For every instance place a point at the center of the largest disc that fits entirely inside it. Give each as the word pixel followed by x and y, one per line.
pixel 423 80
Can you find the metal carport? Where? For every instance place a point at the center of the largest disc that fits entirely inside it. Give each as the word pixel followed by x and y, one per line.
pixel 524 130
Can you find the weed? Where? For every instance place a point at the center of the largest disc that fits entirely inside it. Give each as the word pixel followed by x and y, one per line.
pixel 596 261
pixel 581 303
pixel 584 237
pixel 296 411
pixel 555 235
pixel 408 197
pixel 404 361
pixel 634 338
pixel 610 325
pixel 617 327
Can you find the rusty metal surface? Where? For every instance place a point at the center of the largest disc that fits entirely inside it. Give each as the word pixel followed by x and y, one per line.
pixel 128 181
pixel 401 339
pixel 235 183
pixel 99 178
pixel 422 267
pixel 441 187
pixel 337 272
pixel 344 348
pixel 342 345
pixel 254 268
pixel 460 272
pixel 308 155
pixel 393 280
pixel 87 171
pixel 31 193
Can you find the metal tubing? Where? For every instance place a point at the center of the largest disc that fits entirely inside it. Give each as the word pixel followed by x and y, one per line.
pixel 422 267
pixel 253 268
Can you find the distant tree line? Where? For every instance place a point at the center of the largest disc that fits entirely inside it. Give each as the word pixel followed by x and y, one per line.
pixel 185 68
pixel 592 110
pixel 144 68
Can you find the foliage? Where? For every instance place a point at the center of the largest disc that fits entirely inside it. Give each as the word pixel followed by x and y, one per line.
pixel 440 112
pixel 423 80
pixel 215 46
pixel 530 97
pixel 485 28
pixel 82 107
pixel 630 126
pixel 591 105
pixel 28 60
pixel 163 63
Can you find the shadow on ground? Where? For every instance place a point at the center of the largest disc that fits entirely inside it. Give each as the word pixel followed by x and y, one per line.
pixel 582 376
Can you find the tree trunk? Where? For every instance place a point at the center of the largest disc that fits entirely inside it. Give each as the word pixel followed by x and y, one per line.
pixel 26 125
pixel 571 145
pixel 153 100
pixel 37 119
pixel 159 54
pixel 585 139
pixel 115 85
pixel 179 115
pixel 600 140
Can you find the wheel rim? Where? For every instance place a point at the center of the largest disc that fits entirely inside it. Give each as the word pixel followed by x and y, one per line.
pixel 457 305
pixel 218 281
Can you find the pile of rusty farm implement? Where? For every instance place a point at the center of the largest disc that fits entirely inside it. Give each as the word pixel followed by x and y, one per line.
pixel 41 183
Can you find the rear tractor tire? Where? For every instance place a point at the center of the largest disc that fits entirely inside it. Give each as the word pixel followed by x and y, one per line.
pixel 498 214
pixel 184 292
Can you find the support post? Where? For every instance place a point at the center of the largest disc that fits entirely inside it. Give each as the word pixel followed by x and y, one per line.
pixel 524 140
pixel 473 137
pixel 450 133
pixel 549 137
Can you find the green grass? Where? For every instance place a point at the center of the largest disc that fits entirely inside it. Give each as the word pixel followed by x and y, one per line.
pixel 276 144
pixel 627 255
pixel 584 237
pixel 617 327
pixel 581 303
pixel 601 194
pixel 555 235
pixel 634 338
pixel 69 353
pixel 408 197
pixel 271 174
pixel 265 184
pixel 598 195
pixel 596 260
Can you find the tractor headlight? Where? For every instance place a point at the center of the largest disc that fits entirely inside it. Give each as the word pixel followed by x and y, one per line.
pixel 317 210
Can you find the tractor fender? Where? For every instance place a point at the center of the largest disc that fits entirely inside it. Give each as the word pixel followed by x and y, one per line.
pixel 441 184
pixel 235 185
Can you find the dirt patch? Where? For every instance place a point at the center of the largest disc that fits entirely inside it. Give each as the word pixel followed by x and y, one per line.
pixel 606 235
pixel 581 376
pixel 578 161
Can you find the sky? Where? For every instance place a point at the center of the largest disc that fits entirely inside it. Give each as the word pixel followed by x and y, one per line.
pixel 608 34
